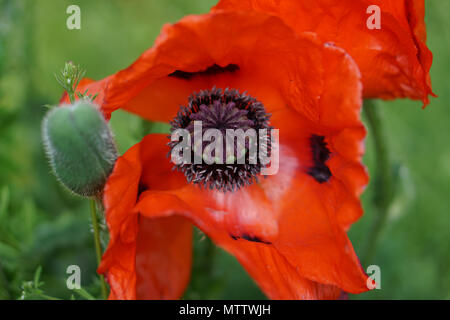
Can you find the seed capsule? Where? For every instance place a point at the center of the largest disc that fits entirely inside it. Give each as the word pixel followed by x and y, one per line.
pixel 80 147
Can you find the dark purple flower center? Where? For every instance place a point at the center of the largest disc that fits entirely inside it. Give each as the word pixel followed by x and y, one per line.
pixel 223 110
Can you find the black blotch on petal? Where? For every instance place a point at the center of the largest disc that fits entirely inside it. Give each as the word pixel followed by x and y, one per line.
pixel 249 238
pixel 320 172
pixel 320 154
pixel 210 71
pixel 234 237
pixel 141 188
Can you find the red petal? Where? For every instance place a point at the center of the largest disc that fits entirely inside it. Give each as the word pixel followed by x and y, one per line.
pixel 293 249
pixel 394 61
pixel 163 257
pixel 145 259
pixel 198 42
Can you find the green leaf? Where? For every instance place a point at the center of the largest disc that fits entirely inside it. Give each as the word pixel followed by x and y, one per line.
pixel 7 252
pixel 83 293
pixel 4 202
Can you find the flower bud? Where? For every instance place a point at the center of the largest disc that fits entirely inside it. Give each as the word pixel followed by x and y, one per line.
pixel 80 147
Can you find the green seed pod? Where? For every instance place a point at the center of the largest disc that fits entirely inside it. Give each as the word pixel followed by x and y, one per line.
pixel 80 147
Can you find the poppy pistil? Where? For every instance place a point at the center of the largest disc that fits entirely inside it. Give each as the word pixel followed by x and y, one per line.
pixel 223 110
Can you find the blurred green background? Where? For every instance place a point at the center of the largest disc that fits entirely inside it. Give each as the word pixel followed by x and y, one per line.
pixel 41 224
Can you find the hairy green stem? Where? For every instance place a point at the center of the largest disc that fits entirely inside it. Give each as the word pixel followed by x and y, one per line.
pixel 46 297
pixel 71 97
pixel 98 248
pixel 382 181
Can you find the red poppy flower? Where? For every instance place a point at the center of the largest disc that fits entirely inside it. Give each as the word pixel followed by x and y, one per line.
pixel 394 60
pixel 287 230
